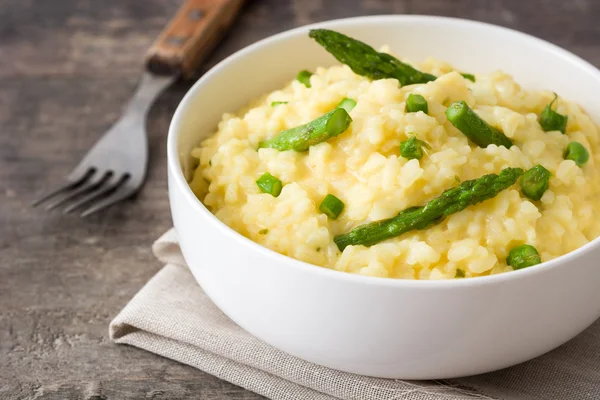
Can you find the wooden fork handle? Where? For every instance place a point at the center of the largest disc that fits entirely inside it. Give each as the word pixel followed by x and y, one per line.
pixel 190 36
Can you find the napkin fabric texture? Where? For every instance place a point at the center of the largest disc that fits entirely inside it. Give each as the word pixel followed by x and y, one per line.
pixel 171 316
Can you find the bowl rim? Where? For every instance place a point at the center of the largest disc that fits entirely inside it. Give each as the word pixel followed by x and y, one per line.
pixel 175 170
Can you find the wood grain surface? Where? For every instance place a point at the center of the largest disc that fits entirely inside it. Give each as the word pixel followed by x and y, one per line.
pixel 66 69
pixel 190 36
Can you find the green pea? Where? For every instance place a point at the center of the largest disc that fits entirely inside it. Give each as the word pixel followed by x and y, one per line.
pixel 523 256
pixel 576 152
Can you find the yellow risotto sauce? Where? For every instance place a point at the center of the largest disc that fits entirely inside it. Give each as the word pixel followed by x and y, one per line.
pixel 363 168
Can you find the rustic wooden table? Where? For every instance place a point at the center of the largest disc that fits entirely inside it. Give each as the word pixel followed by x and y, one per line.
pixel 66 69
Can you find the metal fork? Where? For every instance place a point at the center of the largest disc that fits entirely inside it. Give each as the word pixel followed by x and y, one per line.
pixel 115 168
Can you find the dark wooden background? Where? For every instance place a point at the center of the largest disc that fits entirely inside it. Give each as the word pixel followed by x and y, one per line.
pixel 66 69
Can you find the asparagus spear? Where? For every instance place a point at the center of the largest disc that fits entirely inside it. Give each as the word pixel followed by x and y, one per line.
pixel 451 201
pixel 550 120
pixel 415 103
pixel 304 77
pixel 470 77
pixel 268 183
pixel 319 130
pixel 535 182
pixel 331 206
pixel 365 60
pixel 347 104
pixel 413 148
pixel 472 126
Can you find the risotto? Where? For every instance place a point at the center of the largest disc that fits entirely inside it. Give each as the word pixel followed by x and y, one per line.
pixel 390 157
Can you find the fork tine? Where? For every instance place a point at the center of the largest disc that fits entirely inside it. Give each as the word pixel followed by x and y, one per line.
pixel 98 192
pixel 91 184
pixel 49 195
pixel 67 186
pixel 121 193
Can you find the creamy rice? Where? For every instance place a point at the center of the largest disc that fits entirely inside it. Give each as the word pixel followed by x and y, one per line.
pixel 364 169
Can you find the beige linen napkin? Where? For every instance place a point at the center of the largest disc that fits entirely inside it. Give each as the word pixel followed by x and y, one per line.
pixel 172 316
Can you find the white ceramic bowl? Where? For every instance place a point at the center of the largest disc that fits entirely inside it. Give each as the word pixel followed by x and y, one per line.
pixel 377 326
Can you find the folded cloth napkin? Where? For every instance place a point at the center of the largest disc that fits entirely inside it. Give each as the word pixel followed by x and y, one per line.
pixel 171 316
